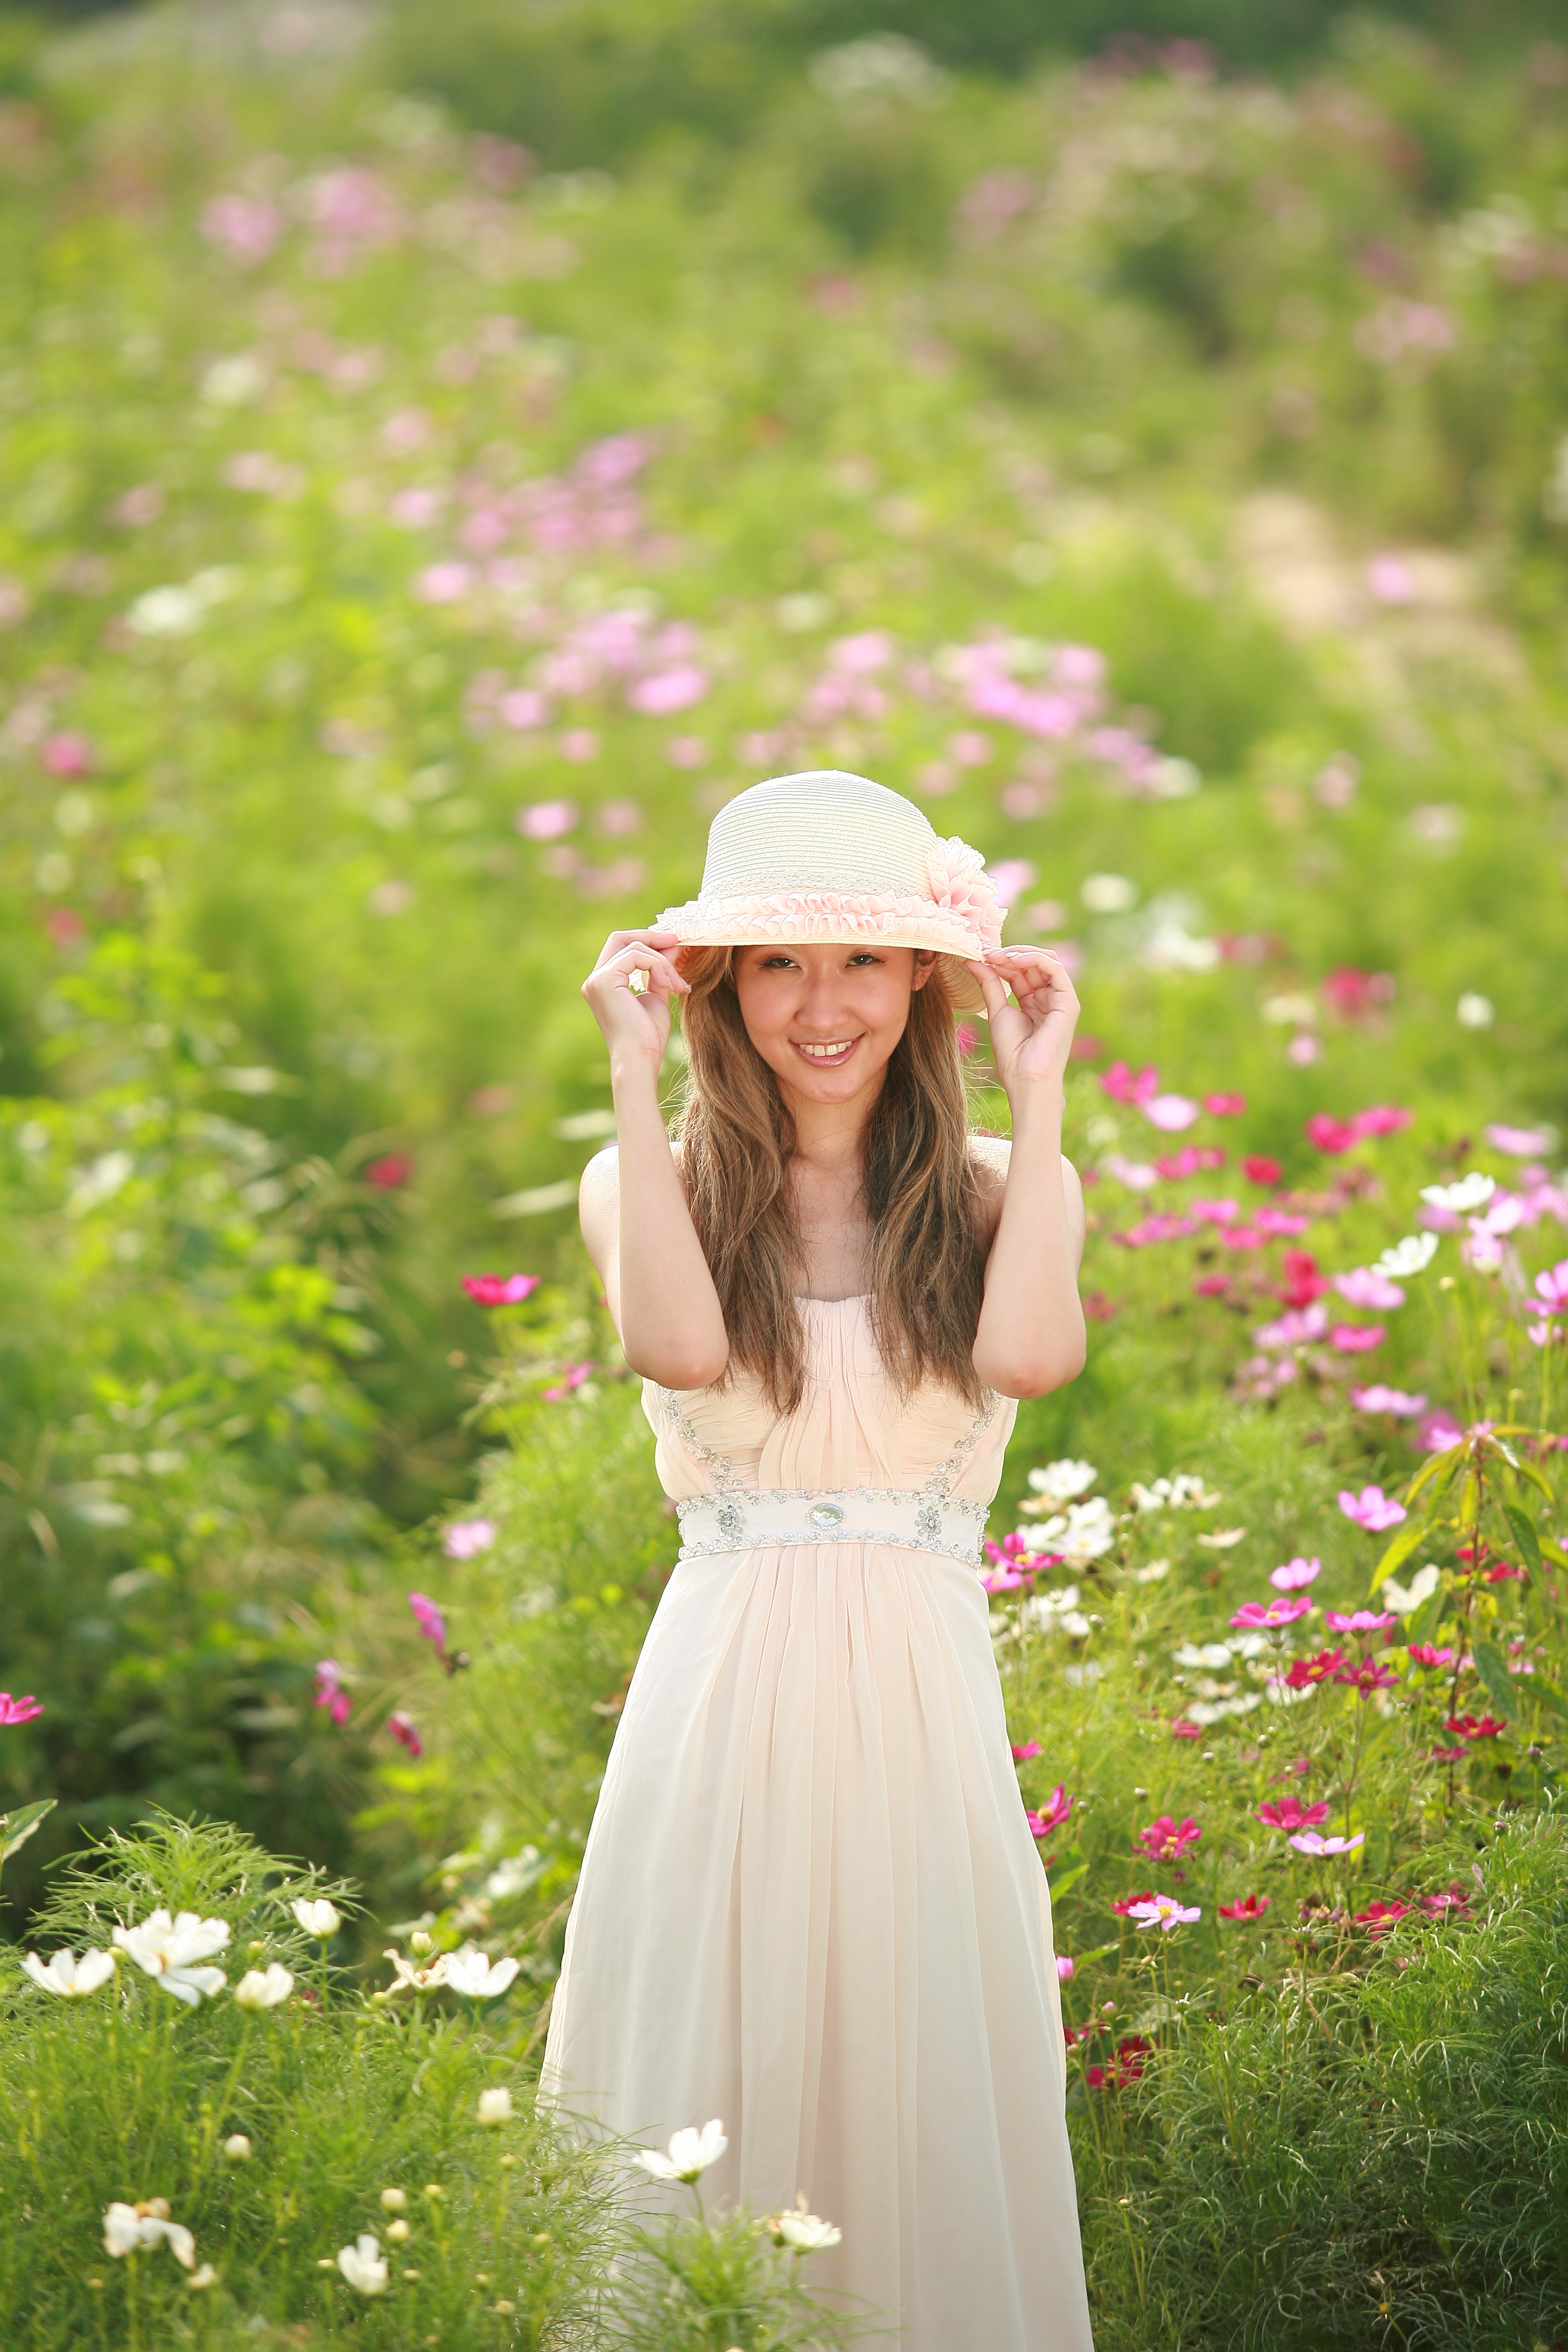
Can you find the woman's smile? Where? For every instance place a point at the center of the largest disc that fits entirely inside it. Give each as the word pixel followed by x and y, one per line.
pixel 831 1057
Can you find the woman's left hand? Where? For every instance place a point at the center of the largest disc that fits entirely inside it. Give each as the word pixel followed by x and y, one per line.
pixel 1031 1036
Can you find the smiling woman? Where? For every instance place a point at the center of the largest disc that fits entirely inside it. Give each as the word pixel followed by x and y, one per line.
pixel 811 1902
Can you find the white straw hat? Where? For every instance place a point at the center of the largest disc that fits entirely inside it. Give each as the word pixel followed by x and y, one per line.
pixel 831 856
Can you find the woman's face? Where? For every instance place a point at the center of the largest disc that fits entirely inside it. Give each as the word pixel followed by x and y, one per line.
pixel 826 1019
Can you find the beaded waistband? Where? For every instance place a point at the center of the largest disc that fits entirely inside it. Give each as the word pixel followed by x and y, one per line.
pixel 744 1518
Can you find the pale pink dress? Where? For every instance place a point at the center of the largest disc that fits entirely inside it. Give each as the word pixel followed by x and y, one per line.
pixel 810 1901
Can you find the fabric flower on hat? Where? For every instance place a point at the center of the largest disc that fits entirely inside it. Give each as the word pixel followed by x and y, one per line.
pixel 958 882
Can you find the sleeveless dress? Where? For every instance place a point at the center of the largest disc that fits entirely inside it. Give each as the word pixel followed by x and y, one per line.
pixel 810 1903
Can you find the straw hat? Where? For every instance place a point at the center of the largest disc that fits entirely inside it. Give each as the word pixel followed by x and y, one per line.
pixel 830 856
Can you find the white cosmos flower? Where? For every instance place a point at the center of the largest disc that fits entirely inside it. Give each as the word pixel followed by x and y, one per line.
pixel 362 2266
pixel 1058 1482
pixel 495 2105
pixel 421 1979
pixel 1410 1256
pixel 66 1974
pixel 169 1950
pixel 1184 1492
pixel 317 1916
pixel 126 2227
pixel 1406 1600
pixel 264 1987
pixel 804 2232
pixel 1081 1532
pixel 1471 1192
pixel 475 1975
pixel 690 2153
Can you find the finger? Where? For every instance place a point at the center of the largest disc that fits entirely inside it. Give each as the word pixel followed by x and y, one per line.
pixel 993 987
pixel 618 940
pixel 1034 972
pixel 658 968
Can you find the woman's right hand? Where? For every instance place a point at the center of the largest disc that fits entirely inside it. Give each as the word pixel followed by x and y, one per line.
pixel 635 1024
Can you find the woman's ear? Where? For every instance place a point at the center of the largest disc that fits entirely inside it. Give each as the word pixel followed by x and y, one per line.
pixel 925 964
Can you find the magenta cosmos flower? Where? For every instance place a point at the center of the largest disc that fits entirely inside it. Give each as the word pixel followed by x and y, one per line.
pixel 329 1692
pixel 1052 1814
pixel 1371 1508
pixel 19 1710
pixel 1255 1616
pixel 1290 1813
pixel 1167 1839
pixel 428 1615
pixel 1249 1906
pixel 501 1290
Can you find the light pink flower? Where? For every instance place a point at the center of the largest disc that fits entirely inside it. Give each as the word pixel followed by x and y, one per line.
pixel 1361 1288
pixel 1361 1621
pixel 329 1692
pixel 1171 1113
pixel 572 1377
pixel 67 754
pixel 1371 1508
pixel 546 820
pixel 1294 1573
pixel 1438 1431
pixel 1379 1399
pixel 1066 1969
pixel 1125 1085
pixel 1519 1142
pixel 1313 1842
pixel 524 708
pixel 431 1618
pixel 1163 1911
pixel 466 1538
pixel 1262 1616
pixel 1011 877
pixel 1357 1339
pixel 669 690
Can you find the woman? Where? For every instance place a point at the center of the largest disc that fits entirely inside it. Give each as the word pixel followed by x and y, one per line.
pixel 810 1901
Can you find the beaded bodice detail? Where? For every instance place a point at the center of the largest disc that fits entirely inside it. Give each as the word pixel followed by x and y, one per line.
pixel 854 1463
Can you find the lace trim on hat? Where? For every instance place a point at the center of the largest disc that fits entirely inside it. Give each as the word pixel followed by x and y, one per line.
pixel 749 918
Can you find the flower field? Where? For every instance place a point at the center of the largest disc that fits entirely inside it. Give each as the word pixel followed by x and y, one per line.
pixel 408 541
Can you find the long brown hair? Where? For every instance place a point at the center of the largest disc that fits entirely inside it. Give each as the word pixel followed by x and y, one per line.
pixel 921 1194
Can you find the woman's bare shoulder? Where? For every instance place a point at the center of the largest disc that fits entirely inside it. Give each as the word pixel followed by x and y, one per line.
pixel 600 1186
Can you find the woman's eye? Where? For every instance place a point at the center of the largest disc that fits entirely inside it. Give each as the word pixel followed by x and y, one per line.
pixel 865 957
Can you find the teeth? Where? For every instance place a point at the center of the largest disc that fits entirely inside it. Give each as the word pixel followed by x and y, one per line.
pixel 825 1053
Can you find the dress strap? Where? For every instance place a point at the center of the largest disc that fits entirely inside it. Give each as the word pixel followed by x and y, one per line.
pixel 719 1467
pixel 939 1483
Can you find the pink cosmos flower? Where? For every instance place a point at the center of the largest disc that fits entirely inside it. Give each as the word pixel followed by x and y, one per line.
pixel 1261 1616
pixel 1360 1620
pixel 1002 1580
pixel 329 1692
pixel 1314 1841
pixel 1163 1911
pixel 1451 1898
pixel 1120 1083
pixel 1368 1674
pixel 1026 1753
pixel 19 1710
pixel 1167 1839
pixel 572 1377
pixel 1302 1674
pixel 501 1290
pixel 1012 877
pixel 1450 1755
pixel 1250 1907
pixel 1376 1398
pixel 524 709
pixel 1295 1328
pixel 1552 1288
pixel 391 1172
pixel 1378 1917
pixel 1474 1727
pixel 546 820
pixel 466 1538
pixel 1293 1573
pixel 1371 1508
pixel 1258 1168
pixel 405 1731
pixel 669 690
pixel 1181 1729
pixel 1171 1113
pixel 1224 1106
pixel 1066 1969
pixel 1356 1339
pixel 429 1618
pixel 1361 1288
pixel 1520 1142
pixel 1425 1653
pixel 1051 1814
pixel 1290 1813
pixel 1192 1159
pixel 67 754
pixel 1124 1905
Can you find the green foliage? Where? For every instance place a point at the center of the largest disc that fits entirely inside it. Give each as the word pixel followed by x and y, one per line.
pixel 1377 2159
pixel 278 2137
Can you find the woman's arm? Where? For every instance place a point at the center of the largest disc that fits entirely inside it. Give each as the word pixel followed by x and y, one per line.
pixel 1030 1337
pixel 636 1220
